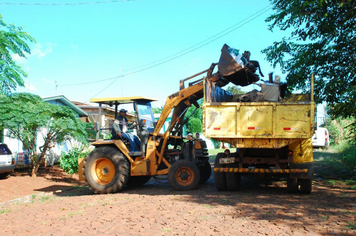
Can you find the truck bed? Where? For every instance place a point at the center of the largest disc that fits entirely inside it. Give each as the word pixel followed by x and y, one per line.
pixel 272 124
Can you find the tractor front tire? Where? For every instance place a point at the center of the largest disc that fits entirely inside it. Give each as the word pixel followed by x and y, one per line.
pixel 106 170
pixel 184 175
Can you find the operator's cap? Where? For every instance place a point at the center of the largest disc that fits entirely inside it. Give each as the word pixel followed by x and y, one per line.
pixel 123 110
pixel 190 134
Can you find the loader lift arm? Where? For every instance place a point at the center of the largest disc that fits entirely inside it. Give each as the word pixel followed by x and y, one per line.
pixel 179 102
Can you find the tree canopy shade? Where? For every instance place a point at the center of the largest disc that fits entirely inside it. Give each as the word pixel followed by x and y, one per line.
pixel 24 115
pixel 322 41
pixel 12 41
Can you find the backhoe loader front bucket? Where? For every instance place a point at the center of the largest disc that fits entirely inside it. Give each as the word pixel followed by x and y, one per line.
pixel 235 68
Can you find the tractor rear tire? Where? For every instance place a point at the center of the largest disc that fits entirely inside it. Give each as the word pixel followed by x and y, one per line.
pixel 305 186
pixel 219 177
pixel 106 170
pixel 205 171
pixel 292 185
pixel 184 175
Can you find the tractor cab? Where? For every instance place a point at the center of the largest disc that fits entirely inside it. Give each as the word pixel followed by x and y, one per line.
pixel 142 115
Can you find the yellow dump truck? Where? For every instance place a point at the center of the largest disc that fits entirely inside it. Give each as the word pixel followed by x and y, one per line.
pixel 273 137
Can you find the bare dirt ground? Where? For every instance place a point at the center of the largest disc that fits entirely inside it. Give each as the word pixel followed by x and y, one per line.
pixel 54 203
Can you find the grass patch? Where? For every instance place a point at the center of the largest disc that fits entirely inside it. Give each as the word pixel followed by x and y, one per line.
pixel 167 230
pixel 44 198
pixel 4 211
pixel 337 163
pixel 351 225
pixel 214 152
pixel 74 213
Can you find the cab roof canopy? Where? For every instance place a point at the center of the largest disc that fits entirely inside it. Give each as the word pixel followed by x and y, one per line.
pixel 121 100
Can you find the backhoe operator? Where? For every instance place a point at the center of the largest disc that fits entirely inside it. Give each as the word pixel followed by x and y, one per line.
pixel 120 130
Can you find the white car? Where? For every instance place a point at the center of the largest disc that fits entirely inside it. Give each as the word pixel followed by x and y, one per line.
pixel 321 137
pixel 7 161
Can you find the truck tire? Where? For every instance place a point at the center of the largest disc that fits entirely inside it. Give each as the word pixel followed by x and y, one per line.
pixel 292 185
pixel 305 186
pixel 106 170
pixel 135 181
pixel 233 179
pixel 219 177
pixel 205 171
pixel 184 175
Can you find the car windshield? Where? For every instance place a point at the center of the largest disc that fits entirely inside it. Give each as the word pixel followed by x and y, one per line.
pixel 145 113
pixel 4 150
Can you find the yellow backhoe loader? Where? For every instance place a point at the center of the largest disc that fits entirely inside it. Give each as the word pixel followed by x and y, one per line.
pixel 111 166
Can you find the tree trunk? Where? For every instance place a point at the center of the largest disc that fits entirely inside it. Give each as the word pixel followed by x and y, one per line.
pixel 35 169
pixel 36 164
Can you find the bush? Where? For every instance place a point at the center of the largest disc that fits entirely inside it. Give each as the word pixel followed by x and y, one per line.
pixel 341 129
pixel 69 161
pixel 347 155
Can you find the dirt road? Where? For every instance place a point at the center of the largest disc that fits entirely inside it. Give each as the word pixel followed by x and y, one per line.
pixel 157 209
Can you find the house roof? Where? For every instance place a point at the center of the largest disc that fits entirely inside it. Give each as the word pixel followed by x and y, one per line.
pixel 62 100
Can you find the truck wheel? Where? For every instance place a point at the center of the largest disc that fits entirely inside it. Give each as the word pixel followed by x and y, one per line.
pixel 205 171
pixel 106 170
pixel 305 186
pixel 184 175
pixel 135 181
pixel 219 177
pixel 292 185
pixel 233 179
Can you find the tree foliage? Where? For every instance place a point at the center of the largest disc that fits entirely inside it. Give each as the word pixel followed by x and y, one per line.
pixel 341 129
pixel 12 41
pixel 234 90
pixel 322 41
pixel 194 123
pixel 69 161
pixel 157 110
pixel 25 115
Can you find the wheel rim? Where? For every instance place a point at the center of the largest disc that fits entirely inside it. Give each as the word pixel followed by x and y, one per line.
pixel 185 176
pixel 103 171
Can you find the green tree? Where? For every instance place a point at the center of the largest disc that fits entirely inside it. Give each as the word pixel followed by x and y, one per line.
pixel 340 130
pixel 157 110
pixel 235 90
pixel 194 123
pixel 322 41
pixel 24 115
pixel 12 41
